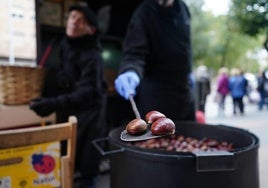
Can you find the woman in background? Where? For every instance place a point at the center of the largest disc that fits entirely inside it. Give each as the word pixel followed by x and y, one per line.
pixel 222 89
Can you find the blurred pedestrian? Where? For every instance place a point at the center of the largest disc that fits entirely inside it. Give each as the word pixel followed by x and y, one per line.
pixel 238 89
pixel 263 89
pixel 202 87
pixel 157 57
pixel 222 89
pixel 80 91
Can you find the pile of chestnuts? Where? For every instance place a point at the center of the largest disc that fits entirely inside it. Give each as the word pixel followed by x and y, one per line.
pixel 180 143
pixel 159 124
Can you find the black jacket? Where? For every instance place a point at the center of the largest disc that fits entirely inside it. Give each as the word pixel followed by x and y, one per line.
pixel 81 92
pixel 158 47
pixel 263 84
pixel 80 77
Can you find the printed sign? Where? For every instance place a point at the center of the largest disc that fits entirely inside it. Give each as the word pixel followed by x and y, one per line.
pixel 36 166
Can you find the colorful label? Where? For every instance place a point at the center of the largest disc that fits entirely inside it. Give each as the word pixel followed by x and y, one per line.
pixel 36 166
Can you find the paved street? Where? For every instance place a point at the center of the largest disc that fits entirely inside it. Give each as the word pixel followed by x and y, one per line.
pixel 254 121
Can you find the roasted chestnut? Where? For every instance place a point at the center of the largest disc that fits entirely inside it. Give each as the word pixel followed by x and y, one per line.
pixel 163 126
pixel 182 143
pixel 152 116
pixel 136 127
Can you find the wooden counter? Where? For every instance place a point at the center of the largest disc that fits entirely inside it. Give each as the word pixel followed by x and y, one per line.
pixel 20 116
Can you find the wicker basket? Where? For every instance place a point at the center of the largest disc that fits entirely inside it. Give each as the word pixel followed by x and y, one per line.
pixel 18 85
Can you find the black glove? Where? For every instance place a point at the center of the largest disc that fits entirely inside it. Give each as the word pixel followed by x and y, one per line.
pixel 43 106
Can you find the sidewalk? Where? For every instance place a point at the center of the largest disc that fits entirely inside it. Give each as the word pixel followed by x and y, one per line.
pixel 254 121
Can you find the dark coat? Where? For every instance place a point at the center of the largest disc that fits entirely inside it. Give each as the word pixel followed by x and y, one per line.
pixel 202 91
pixel 158 47
pixel 81 92
pixel 263 84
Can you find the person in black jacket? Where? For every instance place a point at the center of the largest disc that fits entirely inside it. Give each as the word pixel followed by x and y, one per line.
pixel 157 59
pixel 263 89
pixel 202 87
pixel 81 90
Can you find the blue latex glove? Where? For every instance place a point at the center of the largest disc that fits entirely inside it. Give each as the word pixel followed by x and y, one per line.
pixel 126 83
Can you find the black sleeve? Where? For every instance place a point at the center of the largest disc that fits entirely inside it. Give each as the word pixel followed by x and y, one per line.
pixel 135 47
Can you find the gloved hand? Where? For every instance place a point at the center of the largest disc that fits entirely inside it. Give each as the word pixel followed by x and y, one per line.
pixel 126 84
pixel 43 106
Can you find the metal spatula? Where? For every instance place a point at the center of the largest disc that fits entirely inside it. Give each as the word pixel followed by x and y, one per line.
pixel 131 138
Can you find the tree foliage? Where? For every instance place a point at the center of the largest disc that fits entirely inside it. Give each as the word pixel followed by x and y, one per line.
pixel 250 15
pixel 217 43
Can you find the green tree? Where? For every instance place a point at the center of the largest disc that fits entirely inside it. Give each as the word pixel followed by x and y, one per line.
pixel 251 16
pixel 217 43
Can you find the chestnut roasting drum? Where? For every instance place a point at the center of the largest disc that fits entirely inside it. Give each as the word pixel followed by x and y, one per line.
pixel 133 166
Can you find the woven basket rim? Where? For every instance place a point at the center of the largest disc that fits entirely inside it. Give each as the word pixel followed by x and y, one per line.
pixel 21 66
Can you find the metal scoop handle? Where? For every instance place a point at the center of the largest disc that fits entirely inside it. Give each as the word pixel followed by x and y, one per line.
pixel 134 107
